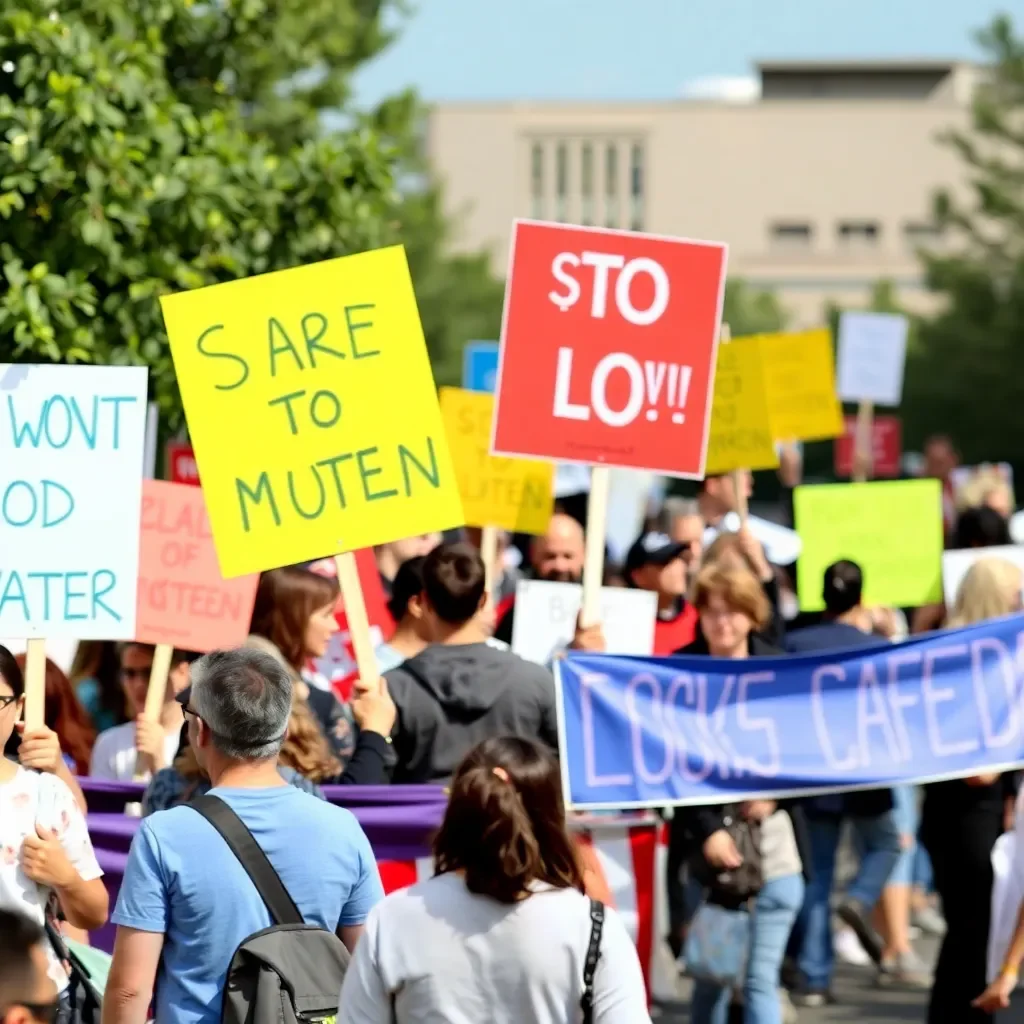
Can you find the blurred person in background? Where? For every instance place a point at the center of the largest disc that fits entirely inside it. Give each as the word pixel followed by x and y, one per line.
pixel 27 993
pixel 293 619
pixel 390 556
pixel 506 571
pixel 682 521
pixel 718 496
pixel 960 822
pixel 461 689
pixel 658 564
pixel 96 677
pixel 503 931
pixel 47 854
pixel 940 459
pixel 66 717
pixel 988 487
pixel 406 607
pixel 142 747
pixel 557 556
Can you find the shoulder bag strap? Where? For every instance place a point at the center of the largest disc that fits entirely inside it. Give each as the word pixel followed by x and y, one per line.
pixel 593 955
pixel 257 866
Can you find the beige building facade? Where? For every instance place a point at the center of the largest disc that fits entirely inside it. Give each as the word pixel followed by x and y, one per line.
pixel 821 186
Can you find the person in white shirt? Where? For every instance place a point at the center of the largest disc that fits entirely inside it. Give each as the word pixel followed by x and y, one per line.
pixel 140 748
pixel 45 849
pixel 502 931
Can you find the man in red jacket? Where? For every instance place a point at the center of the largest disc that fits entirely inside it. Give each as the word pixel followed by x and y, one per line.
pixel 656 562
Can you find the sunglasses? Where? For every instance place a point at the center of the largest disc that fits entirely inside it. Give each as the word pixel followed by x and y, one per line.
pixel 45 1013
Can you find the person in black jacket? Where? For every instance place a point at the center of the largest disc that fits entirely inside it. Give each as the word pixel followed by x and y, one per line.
pixel 732 607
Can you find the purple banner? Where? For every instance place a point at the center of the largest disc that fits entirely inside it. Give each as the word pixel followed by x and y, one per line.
pixel 399 821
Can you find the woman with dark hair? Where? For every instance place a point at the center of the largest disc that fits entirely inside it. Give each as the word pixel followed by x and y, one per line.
pixel 66 717
pixel 293 619
pixel 96 677
pixel 503 931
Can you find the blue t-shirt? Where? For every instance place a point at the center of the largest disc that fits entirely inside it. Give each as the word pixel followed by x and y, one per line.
pixel 182 880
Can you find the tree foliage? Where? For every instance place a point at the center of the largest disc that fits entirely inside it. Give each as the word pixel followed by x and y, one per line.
pixel 748 310
pixel 963 377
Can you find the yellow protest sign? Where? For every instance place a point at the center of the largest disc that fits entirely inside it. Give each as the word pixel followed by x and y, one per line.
pixel 799 378
pixel 515 494
pixel 312 410
pixel 741 436
pixel 891 529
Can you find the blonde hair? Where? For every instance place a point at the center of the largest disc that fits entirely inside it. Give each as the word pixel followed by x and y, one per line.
pixel 741 590
pixel 991 588
pixel 304 749
pixel 727 544
pixel 982 485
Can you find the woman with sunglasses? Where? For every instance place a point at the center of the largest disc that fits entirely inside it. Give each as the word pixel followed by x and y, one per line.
pixel 45 851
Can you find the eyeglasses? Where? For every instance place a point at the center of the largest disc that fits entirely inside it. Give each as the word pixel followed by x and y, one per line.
pixel 6 702
pixel 186 710
pixel 45 1013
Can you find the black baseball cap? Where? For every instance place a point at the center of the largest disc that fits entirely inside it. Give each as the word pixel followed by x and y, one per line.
pixel 653 548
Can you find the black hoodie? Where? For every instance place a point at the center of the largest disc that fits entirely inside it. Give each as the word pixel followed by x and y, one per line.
pixel 450 697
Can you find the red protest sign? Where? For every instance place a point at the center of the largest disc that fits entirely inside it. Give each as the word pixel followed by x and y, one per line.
pixel 608 348
pixel 338 665
pixel 181 463
pixel 886 446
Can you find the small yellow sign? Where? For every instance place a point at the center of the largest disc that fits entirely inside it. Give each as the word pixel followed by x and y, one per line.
pixel 515 494
pixel 799 378
pixel 892 529
pixel 312 410
pixel 741 436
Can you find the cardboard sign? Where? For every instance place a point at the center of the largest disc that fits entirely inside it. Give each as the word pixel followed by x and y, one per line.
pixel 181 463
pixel 183 601
pixel 886 446
pixel 956 565
pixel 312 409
pixel 892 530
pixel 872 352
pixel 515 494
pixel 71 448
pixel 608 348
pixel 741 432
pixel 546 613
pixel 799 379
pixel 338 665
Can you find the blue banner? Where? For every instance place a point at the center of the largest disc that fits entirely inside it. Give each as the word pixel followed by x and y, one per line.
pixel 653 732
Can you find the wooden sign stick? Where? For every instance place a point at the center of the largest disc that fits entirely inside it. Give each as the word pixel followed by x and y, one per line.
pixel 156 695
pixel 35 683
pixel 593 558
pixel 489 554
pixel 725 336
pixel 358 620
pixel 863 449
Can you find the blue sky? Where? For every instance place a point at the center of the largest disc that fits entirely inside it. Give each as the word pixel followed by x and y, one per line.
pixel 651 49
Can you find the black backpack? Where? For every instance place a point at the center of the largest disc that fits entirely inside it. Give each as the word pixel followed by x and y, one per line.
pixel 289 973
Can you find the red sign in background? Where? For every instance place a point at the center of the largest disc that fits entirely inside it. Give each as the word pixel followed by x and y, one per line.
pixel 181 463
pixel 886 446
pixel 608 348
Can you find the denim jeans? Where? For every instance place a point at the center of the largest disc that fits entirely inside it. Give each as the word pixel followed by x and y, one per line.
pixel 775 911
pixel 878 839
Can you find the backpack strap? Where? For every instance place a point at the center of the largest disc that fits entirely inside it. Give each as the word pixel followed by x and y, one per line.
pixel 593 955
pixel 257 866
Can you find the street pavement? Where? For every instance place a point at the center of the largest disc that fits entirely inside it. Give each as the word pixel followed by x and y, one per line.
pixel 858 999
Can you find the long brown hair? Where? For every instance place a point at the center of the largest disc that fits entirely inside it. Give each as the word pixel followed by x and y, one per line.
pixel 285 602
pixel 504 827
pixel 99 660
pixel 65 716
pixel 304 749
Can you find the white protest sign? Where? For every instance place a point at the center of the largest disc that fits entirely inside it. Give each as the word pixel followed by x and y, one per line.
pixel 545 619
pixel 71 454
pixel 872 351
pixel 956 564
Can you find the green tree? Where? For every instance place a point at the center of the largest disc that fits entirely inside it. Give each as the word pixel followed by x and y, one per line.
pixel 963 376
pixel 118 182
pixel 749 310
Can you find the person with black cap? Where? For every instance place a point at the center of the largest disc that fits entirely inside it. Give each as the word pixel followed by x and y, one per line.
pixel 657 563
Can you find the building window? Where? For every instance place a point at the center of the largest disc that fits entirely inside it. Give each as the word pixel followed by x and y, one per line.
pixel 636 187
pixel 587 184
pixel 611 186
pixel 859 232
pixel 791 234
pixel 537 181
pixel 561 181
pixel 917 233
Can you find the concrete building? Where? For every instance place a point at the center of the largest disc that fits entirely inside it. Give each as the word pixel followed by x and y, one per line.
pixel 821 186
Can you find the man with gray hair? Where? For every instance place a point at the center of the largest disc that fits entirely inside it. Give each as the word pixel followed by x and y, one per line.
pixel 186 903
